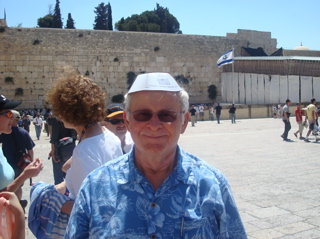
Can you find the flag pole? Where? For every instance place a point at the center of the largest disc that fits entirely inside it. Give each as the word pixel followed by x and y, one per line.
pixel 233 75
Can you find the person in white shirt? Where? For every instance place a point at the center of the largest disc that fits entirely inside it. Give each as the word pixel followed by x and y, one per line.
pixel 201 111
pixel 38 123
pixel 80 105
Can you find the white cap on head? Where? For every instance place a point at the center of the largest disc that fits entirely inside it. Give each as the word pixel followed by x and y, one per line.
pixel 155 82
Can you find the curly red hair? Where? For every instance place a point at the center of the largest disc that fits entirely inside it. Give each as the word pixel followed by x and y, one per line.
pixel 77 99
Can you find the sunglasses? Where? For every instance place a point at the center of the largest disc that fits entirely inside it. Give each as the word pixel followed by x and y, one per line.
pixel 8 114
pixel 115 121
pixel 163 115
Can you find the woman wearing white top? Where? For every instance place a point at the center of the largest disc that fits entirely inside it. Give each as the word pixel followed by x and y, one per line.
pixel 80 104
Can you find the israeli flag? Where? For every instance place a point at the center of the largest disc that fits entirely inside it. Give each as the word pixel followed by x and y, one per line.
pixel 226 58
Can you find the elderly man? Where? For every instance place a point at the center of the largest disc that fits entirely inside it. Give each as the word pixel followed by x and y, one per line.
pixel 157 190
pixel 115 123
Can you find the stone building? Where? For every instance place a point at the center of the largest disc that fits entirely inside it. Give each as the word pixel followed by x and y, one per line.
pixel 31 58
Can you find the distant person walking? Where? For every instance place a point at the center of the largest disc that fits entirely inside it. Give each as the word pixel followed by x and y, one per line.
pixel 201 111
pixel 232 114
pixel 311 116
pixel 299 121
pixel 38 123
pixel 218 112
pixel 26 123
pixel 285 118
pixel 211 112
pixel 193 115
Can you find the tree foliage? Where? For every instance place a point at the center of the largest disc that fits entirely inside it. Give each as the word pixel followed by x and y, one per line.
pixel 110 25
pixel 117 98
pixel 212 90
pixel 103 18
pixel 158 20
pixel 46 21
pixel 57 20
pixel 70 22
pixel 131 76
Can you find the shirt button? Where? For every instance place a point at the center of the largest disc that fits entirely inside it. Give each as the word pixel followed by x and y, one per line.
pixel 153 236
pixel 153 205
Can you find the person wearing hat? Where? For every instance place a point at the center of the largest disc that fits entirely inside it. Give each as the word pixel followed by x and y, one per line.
pixel 9 185
pixel 13 145
pixel 157 190
pixel 115 123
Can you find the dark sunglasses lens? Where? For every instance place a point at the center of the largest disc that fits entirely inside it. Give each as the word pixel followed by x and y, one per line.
pixel 116 121
pixel 142 115
pixel 167 116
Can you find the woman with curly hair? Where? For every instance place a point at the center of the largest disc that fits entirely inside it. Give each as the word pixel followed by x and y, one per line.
pixel 80 104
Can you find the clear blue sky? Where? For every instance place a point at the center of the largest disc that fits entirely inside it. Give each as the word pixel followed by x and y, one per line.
pixel 290 22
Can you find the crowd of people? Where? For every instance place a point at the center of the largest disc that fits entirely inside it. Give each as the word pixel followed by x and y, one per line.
pixel 310 114
pixel 126 177
pixel 197 112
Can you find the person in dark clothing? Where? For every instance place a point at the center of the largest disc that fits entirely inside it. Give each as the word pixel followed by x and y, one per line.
pixel 59 132
pixel 193 115
pixel 232 114
pixel 218 112
pixel 26 123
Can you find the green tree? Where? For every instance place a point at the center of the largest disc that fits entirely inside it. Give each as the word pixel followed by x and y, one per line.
pixel 70 22
pixel 212 92
pixel 101 20
pixel 57 21
pixel 46 21
pixel 110 26
pixel 158 20
pixel 117 98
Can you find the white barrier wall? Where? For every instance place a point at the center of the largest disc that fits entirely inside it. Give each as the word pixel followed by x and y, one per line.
pixel 293 84
pixel 306 88
pixel 242 95
pixel 283 88
pixel 261 89
pixel 316 88
pixel 254 88
pixel 247 88
pixel 274 89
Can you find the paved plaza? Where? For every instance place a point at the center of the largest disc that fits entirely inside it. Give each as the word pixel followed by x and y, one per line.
pixel 276 184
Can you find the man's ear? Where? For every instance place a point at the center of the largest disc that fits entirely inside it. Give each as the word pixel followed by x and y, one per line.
pixel 126 122
pixel 185 122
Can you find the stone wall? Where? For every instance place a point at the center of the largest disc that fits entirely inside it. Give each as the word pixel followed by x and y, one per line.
pixel 32 57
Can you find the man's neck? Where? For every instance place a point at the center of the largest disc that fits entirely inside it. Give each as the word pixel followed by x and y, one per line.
pixel 155 167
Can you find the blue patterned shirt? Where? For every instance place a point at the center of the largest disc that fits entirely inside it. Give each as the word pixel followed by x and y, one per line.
pixel 117 201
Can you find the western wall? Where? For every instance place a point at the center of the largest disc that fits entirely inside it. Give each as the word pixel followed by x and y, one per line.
pixel 30 58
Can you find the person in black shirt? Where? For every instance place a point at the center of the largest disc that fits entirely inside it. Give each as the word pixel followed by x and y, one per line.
pixel 26 123
pixel 218 112
pixel 232 114
pixel 59 132
pixel 193 115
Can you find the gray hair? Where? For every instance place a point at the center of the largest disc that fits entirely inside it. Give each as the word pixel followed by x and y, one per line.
pixel 183 95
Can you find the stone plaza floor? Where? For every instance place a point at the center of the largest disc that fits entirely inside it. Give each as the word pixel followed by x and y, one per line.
pixel 276 184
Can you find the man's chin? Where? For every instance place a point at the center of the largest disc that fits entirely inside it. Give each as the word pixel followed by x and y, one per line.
pixel 121 131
